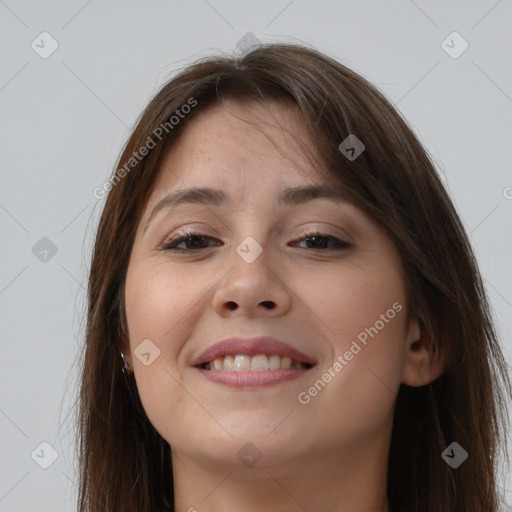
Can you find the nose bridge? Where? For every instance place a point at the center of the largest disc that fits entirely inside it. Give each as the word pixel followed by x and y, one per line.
pixel 251 281
pixel 250 224
pixel 252 228
pixel 251 256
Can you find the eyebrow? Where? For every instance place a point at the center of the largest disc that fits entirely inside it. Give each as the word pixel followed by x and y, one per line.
pixel 216 197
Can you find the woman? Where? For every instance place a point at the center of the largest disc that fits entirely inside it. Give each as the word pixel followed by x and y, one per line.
pixel 297 307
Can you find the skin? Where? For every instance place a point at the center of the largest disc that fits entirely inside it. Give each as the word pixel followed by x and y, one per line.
pixel 331 453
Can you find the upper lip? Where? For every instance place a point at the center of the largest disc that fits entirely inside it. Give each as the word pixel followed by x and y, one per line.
pixel 251 347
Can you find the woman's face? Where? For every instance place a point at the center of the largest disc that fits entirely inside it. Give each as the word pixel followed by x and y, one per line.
pixel 254 269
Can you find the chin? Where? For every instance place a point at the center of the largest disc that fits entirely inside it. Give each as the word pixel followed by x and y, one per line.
pixel 251 444
pixel 245 453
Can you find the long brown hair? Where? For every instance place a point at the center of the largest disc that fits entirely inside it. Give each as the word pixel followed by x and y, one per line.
pixel 125 465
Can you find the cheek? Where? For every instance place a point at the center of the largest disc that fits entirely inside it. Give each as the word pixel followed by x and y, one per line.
pixel 156 300
pixel 363 316
pixel 159 308
pixel 352 303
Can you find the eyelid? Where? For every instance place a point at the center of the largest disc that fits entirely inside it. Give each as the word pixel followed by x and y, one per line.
pixel 329 229
pixel 311 226
pixel 171 242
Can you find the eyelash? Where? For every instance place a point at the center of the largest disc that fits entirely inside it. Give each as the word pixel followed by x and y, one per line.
pixel 170 245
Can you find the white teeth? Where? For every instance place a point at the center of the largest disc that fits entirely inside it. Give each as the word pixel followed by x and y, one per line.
pixel 242 362
pixel 286 362
pixel 229 363
pixel 216 365
pixel 259 362
pixel 274 362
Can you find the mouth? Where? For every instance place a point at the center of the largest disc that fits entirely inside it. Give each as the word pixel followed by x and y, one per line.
pixel 258 363
pixel 252 363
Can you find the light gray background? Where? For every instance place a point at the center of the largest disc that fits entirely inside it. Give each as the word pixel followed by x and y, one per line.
pixel 64 119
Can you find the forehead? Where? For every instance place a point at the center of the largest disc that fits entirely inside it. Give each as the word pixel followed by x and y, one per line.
pixel 235 142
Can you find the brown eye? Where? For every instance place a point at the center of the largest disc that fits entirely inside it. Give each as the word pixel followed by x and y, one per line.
pixel 193 241
pixel 318 241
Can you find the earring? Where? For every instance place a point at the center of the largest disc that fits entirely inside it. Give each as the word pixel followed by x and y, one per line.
pixel 126 367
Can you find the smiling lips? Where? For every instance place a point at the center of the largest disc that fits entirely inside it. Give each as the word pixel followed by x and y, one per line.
pixel 259 362
pixel 252 362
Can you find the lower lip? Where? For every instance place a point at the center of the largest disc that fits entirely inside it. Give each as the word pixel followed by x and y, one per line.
pixel 251 379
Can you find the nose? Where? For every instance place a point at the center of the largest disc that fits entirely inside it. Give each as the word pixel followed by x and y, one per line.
pixel 252 289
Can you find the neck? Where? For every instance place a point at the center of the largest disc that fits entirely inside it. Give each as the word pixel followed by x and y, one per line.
pixel 336 481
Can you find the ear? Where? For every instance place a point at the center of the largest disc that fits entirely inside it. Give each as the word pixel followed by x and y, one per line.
pixel 423 364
